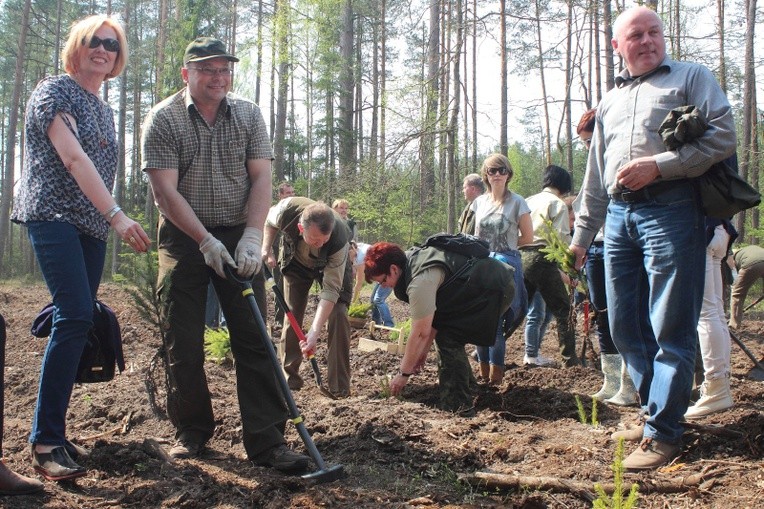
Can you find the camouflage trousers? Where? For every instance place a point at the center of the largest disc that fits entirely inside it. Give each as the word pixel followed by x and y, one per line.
pixel 455 376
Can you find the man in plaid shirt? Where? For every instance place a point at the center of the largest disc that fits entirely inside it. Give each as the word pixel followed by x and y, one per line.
pixel 207 155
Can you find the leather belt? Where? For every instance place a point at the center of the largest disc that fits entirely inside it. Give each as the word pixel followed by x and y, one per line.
pixel 648 192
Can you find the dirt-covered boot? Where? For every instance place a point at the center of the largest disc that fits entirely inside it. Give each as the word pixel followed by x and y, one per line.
pixel 611 371
pixel 715 396
pixel 627 394
pixel 496 375
pixel 485 372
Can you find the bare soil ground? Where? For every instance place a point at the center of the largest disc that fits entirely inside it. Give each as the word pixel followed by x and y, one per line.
pixel 396 453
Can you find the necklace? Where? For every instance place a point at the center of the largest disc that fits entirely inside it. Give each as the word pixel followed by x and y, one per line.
pixel 101 138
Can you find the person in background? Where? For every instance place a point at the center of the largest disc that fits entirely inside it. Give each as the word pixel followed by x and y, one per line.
pixel 748 261
pixel 64 199
pixel 380 311
pixel 314 248
pixel 284 190
pixel 342 207
pixel 449 311
pixel 654 231
pixel 212 206
pixel 11 483
pixel 617 387
pixel 503 219
pixel 713 333
pixel 542 275
pixel 539 316
pixel 472 187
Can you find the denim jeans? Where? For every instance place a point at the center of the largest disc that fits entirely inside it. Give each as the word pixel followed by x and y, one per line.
pixel 595 279
pixel 380 312
pixel 535 325
pixel 543 276
pixel 71 264
pixel 516 312
pixel 656 250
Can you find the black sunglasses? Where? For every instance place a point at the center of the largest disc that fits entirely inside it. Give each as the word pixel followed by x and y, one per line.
pixel 500 171
pixel 109 44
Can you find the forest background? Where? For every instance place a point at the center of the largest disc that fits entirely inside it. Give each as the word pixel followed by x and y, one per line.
pixel 387 103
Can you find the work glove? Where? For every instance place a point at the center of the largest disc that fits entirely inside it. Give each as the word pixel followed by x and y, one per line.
pixel 215 254
pixel 248 256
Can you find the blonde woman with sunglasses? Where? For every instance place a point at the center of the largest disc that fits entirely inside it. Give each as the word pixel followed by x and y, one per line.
pixel 503 219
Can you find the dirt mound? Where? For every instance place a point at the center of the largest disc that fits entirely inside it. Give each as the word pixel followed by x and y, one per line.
pixel 396 453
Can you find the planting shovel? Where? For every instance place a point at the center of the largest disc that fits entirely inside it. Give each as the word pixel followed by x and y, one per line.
pixel 757 372
pixel 323 474
pixel 297 328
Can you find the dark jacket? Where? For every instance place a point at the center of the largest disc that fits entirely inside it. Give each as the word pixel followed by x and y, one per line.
pixel 472 298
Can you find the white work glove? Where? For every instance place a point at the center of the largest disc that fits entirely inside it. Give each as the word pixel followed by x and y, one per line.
pixel 215 254
pixel 248 256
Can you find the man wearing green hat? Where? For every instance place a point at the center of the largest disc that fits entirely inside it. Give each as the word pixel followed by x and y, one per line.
pixel 208 157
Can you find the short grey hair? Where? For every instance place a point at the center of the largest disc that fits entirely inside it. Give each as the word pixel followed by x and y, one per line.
pixel 318 214
pixel 475 180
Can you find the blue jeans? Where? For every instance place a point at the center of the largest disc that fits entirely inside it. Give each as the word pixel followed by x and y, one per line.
pixel 535 325
pixel 595 279
pixel 656 251
pixel 517 310
pixel 380 312
pixel 72 264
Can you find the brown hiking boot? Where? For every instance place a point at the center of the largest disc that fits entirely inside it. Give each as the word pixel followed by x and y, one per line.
pixel 650 454
pixel 283 458
pixel 496 375
pixel 632 434
pixel 184 449
pixel 12 483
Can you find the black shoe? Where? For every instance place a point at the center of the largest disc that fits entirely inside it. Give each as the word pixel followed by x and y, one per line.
pixel 282 458
pixel 56 465
pixel 76 452
pixel 184 449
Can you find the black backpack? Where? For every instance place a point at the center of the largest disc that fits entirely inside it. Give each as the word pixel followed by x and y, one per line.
pixel 104 346
pixel 467 245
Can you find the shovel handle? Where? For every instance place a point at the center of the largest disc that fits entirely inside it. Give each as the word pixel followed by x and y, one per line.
pixel 296 327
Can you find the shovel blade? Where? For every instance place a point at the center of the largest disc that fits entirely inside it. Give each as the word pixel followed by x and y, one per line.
pixel 326 475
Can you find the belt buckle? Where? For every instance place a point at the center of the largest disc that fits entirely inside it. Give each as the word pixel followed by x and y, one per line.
pixel 637 196
pixel 629 196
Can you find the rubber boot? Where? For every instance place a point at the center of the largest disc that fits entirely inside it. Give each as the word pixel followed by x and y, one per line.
pixel 611 371
pixel 627 394
pixel 485 370
pixel 496 375
pixel 715 396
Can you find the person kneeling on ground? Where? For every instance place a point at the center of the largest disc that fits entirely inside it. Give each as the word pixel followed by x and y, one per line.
pixel 454 300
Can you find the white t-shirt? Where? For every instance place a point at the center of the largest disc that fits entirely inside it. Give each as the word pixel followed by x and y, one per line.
pixel 360 254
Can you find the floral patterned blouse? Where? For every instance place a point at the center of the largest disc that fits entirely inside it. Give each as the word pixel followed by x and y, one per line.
pixel 47 191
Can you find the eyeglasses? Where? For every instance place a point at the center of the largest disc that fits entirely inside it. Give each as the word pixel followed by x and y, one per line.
pixel 500 171
pixel 109 44
pixel 383 280
pixel 211 71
